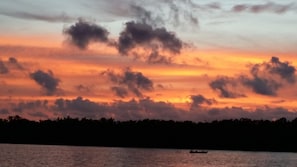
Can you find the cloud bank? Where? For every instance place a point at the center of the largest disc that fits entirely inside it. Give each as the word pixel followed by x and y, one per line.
pixel 142 109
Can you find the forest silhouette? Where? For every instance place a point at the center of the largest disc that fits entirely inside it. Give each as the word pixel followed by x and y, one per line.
pixel 232 134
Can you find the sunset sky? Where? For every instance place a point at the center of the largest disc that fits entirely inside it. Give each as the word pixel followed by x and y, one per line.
pixel 198 60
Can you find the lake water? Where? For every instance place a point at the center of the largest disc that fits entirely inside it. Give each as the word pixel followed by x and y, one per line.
pixel 14 155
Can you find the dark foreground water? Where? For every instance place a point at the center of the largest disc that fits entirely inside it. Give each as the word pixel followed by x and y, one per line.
pixel 12 155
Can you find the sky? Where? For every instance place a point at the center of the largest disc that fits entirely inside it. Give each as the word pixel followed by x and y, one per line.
pixel 197 60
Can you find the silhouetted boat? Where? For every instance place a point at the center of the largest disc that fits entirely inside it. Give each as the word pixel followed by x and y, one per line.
pixel 199 151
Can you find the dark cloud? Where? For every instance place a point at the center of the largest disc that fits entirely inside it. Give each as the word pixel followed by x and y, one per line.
pixel 135 82
pixel 82 88
pixel 119 110
pixel 39 115
pixel 197 100
pixel 29 105
pixel 265 113
pixel 262 86
pixel 15 62
pixel 265 78
pixel 82 33
pixel 267 7
pixel 156 58
pixel 120 91
pixel 12 60
pixel 8 66
pixel 46 81
pixel 4 111
pixel 144 35
pixel 223 85
pixel 80 107
pixel 283 69
pixel 3 68
pixel 145 108
pixel 40 16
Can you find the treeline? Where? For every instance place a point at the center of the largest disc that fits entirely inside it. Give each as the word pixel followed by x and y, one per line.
pixel 235 134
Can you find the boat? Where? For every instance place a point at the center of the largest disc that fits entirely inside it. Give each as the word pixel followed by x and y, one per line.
pixel 199 151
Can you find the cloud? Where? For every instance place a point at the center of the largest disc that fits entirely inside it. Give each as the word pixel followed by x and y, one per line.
pixel 223 85
pixel 265 113
pixel 7 66
pixel 261 85
pixel 82 33
pixel 141 34
pixel 82 88
pixel 40 16
pixel 46 81
pixel 39 109
pixel 29 105
pixel 267 7
pixel 155 13
pixel 4 111
pixel 15 62
pixel 3 68
pixel 144 16
pixel 135 82
pixel 198 100
pixel 182 10
pixel 145 109
pixel 120 91
pixel 80 107
pixel 38 114
pixel 265 78
pixel 12 60
pixel 283 69
pixel 141 38
pixel 155 58
pixel 119 110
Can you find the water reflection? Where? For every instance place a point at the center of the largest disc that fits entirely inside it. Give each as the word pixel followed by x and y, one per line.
pixel 67 156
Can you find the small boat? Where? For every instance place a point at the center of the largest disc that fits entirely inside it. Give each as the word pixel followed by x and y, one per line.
pixel 199 151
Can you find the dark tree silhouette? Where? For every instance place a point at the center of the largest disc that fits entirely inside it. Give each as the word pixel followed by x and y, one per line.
pixel 234 134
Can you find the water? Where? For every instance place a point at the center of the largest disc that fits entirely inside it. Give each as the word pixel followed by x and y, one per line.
pixel 12 155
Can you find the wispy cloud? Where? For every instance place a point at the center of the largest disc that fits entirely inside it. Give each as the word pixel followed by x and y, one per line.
pixel 39 16
pixel 265 7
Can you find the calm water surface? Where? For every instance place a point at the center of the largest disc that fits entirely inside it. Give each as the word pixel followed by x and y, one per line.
pixel 12 155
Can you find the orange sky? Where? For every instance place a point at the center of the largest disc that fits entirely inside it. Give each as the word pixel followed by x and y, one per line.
pixel 214 63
